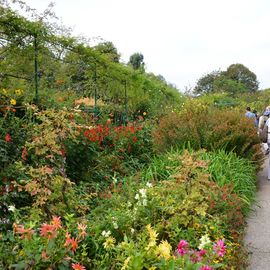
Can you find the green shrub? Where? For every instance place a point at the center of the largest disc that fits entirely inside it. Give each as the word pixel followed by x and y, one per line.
pixel 177 206
pixel 210 129
pixel 226 169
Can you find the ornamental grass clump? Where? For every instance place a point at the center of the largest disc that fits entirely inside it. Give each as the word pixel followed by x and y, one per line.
pixel 239 173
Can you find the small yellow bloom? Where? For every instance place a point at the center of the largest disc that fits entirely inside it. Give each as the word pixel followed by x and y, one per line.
pixel 109 243
pixel 163 250
pixel 125 263
pixel 152 268
pixel 18 92
pixel 13 101
pixel 144 113
pixel 152 233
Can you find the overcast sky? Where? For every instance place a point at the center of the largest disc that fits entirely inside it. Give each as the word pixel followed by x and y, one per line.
pixel 180 39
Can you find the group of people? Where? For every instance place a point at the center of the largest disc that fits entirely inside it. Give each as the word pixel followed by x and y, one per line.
pixel 260 122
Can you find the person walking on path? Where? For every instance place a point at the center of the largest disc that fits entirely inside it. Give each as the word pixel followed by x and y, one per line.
pixel 248 113
pixel 262 121
pixel 268 142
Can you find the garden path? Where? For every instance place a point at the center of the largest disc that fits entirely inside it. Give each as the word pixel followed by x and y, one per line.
pixel 257 238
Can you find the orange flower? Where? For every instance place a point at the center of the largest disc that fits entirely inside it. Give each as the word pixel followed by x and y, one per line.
pixel 24 233
pixel 56 222
pixel 44 255
pixel 71 243
pixel 77 266
pixel 74 244
pixel 60 99
pixel 48 231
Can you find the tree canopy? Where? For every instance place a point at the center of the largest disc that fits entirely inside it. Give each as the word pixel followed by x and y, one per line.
pixel 236 79
pixel 69 63
pixel 136 60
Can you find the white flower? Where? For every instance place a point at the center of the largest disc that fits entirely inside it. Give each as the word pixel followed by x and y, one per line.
pixel 115 225
pixel 11 208
pixel 204 241
pixel 144 202
pixel 137 196
pixel 143 192
pixel 149 185
pixel 132 230
pixel 106 233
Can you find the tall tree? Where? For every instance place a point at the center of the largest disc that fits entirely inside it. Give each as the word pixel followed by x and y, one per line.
pixel 136 61
pixel 108 49
pixel 242 74
pixel 206 83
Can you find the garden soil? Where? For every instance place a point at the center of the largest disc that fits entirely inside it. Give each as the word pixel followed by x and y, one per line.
pixel 257 238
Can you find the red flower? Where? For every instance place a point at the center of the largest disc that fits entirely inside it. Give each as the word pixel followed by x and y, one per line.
pixel 24 153
pixel 134 139
pixel 8 138
pixel 86 133
pixel 77 266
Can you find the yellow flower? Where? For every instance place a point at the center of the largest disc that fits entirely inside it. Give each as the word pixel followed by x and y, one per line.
pixel 18 92
pixel 152 233
pixel 125 263
pixel 153 237
pixel 152 268
pixel 13 101
pixel 163 250
pixel 144 113
pixel 109 242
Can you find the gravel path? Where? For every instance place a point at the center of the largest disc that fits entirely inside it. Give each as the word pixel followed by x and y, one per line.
pixel 257 239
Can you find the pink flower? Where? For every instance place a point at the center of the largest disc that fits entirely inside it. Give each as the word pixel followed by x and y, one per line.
pixel 199 255
pixel 220 248
pixel 181 248
pixel 206 267
pixel 8 138
pixel 202 252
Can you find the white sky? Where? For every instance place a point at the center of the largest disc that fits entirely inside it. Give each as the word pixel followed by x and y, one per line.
pixel 180 39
